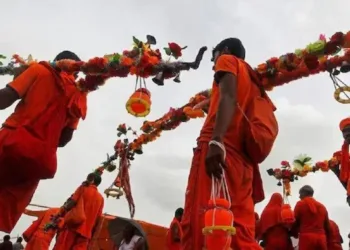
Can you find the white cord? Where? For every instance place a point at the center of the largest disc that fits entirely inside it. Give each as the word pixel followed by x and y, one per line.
pixel 220 145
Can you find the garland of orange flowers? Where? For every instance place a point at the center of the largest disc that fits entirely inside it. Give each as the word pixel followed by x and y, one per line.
pixel 56 221
pixel 301 167
pixel 141 60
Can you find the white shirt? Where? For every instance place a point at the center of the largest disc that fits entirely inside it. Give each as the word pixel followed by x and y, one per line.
pixel 17 246
pixel 131 244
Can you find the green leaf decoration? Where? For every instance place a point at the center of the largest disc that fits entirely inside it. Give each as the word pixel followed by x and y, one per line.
pixel 136 41
pixel 116 57
pixel 119 134
pixel 297 161
pixel 1 63
pixel 167 51
pixel 2 57
pixel 307 159
pixel 184 48
pixel 151 40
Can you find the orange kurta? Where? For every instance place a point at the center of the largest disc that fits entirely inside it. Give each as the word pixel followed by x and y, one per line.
pixel 46 96
pixel 243 178
pixel 36 237
pixel 78 238
pixel 170 244
pixel 334 239
pixel 311 220
pixel 272 230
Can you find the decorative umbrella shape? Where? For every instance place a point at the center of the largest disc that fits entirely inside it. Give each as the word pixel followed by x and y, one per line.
pixel 117 226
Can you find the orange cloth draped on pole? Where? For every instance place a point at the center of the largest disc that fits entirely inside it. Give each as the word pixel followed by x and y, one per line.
pixel 242 176
pixel 49 102
pixel 312 224
pixel 36 237
pixel 171 245
pixel 273 231
pixel 78 238
pixel 334 239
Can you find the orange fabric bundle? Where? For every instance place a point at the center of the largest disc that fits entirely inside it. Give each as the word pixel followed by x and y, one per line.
pixel 344 123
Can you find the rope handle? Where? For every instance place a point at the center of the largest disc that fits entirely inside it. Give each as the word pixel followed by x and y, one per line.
pixel 219 185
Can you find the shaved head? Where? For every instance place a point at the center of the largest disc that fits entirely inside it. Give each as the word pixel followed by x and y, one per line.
pixel 306 191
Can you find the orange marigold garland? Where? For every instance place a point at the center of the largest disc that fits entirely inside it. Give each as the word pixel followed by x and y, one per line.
pixel 141 60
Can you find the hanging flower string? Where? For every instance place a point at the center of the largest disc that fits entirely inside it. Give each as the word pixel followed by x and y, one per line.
pixel 141 60
pixel 125 152
pixel 56 220
pixel 302 166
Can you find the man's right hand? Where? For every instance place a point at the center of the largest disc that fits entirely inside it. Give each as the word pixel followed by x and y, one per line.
pixel 346 134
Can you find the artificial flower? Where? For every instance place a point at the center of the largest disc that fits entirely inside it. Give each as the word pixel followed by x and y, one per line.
pixel 337 38
pixel 126 61
pixel 284 163
pixel 316 48
pixel 347 40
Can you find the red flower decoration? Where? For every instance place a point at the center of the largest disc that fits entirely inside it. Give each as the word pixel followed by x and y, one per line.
pixel 337 38
pixel 92 82
pixel 331 48
pixel 311 62
pixel 285 163
pixel 175 49
pixel 286 174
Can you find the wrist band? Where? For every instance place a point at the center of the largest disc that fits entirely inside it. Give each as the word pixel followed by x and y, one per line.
pixel 220 145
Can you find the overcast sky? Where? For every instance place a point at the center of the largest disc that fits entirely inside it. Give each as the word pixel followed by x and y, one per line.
pixel 307 113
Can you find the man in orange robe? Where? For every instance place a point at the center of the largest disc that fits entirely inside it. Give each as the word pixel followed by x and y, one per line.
pixel 174 235
pixel 273 232
pixel 48 112
pixel 335 240
pixel 224 131
pixel 78 238
pixel 35 236
pixel 343 172
pixel 311 221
